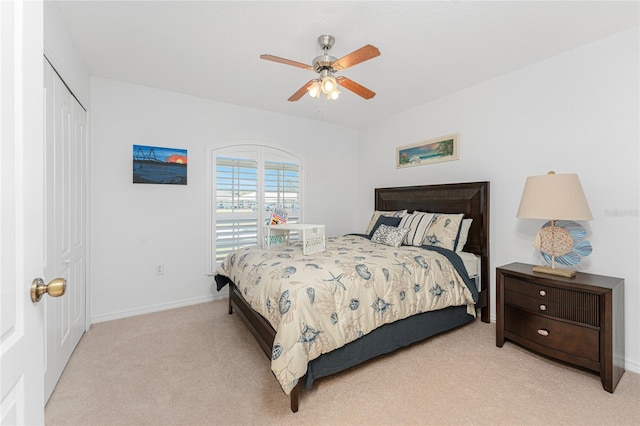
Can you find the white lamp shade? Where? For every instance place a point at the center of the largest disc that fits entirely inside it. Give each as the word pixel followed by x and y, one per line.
pixel 314 89
pixel 554 197
pixel 328 84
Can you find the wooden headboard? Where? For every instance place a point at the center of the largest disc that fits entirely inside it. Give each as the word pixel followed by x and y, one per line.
pixel 471 198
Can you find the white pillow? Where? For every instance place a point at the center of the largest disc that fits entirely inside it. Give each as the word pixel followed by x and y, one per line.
pixel 464 233
pixel 418 223
pixel 389 235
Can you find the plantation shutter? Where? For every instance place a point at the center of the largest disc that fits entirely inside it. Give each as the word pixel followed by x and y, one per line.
pixel 282 188
pixel 236 200
pixel 248 182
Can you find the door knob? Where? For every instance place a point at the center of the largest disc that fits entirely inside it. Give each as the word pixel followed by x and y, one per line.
pixel 55 288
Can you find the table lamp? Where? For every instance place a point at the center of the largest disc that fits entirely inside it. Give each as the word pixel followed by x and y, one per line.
pixel 558 198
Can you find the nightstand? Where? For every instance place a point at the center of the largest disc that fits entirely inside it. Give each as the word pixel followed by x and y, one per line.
pixel 577 320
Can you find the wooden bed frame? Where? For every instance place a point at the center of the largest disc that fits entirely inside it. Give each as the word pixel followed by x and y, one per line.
pixel 472 199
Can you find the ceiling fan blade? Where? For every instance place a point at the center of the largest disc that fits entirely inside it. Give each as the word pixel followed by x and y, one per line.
pixel 286 62
pixel 301 91
pixel 354 58
pixel 355 88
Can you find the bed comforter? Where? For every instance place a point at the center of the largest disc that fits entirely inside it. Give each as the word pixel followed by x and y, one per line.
pixel 322 301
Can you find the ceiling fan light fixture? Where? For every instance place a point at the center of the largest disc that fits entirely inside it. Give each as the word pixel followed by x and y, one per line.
pixel 314 89
pixel 329 84
pixel 334 95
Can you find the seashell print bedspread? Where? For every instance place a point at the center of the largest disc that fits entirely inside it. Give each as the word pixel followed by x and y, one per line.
pixel 322 301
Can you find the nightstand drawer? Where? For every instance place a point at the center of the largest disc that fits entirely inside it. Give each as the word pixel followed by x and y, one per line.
pixel 569 338
pixel 556 302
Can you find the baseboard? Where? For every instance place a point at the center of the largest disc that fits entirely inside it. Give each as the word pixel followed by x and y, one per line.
pixel 632 366
pixel 157 308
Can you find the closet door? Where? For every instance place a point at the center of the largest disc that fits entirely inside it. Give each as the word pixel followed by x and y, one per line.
pixel 65 224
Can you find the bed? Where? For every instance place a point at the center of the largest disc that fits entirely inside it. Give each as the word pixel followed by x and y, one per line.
pixel 398 319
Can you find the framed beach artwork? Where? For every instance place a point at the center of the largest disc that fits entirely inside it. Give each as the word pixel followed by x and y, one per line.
pixel 154 164
pixel 437 150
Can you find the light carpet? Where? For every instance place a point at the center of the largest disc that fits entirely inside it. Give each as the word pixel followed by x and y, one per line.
pixel 200 366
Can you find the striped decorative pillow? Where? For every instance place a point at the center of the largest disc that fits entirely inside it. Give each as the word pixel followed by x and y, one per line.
pixel 418 223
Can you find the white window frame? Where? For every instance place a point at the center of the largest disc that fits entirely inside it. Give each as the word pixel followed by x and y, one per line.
pixel 260 150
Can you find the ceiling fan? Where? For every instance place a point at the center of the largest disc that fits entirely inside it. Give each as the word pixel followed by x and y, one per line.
pixel 326 66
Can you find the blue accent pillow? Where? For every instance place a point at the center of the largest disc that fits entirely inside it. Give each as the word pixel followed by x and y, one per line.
pixel 385 220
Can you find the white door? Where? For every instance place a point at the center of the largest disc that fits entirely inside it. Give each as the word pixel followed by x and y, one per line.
pixel 21 211
pixel 65 143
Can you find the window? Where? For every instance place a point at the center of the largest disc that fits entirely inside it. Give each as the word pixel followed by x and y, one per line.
pixel 247 182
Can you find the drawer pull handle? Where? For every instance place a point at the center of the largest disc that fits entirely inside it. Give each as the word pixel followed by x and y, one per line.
pixel 543 332
pixel 543 308
pixel 543 293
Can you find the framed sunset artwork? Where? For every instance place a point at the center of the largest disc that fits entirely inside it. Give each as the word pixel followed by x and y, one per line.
pixel 444 148
pixel 154 164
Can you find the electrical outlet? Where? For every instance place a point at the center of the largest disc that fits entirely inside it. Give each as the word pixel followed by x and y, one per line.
pixel 160 269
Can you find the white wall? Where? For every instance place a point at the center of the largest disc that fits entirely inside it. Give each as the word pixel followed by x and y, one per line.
pixel 135 227
pixel 61 52
pixel 574 113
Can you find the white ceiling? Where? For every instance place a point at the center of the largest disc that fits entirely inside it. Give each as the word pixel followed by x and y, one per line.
pixel 428 49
